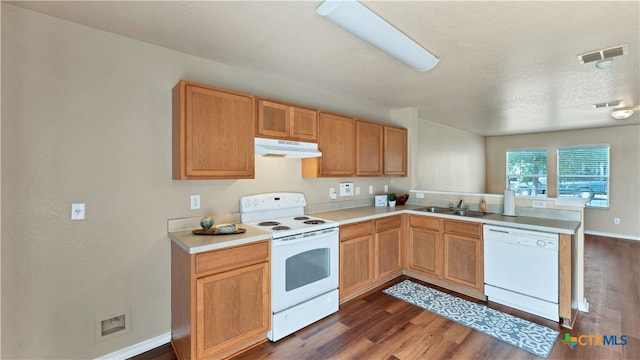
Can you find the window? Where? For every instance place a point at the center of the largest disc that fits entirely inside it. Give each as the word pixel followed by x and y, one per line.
pixel 583 172
pixel 527 171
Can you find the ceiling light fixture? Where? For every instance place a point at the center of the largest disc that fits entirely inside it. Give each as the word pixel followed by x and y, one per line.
pixel 622 113
pixel 604 64
pixel 362 22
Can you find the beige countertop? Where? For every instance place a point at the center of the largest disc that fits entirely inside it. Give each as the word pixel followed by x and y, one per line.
pixel 194 244
pixel 199 243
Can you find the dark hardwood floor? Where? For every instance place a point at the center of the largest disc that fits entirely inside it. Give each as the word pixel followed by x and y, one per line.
pixel 378 326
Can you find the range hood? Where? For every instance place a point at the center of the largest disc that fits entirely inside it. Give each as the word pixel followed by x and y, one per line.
pixel 286 148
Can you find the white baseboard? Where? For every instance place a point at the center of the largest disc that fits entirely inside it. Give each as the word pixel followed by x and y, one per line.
pixel 138 348
pixel 619 236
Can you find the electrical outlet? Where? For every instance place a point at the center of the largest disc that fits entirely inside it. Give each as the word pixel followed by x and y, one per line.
pixel 357 190
pixel 370 189
pixel 539 204
pixel 386 188
pixel 77 211
pixel 195 202
pixel 332 193
pixel 616 221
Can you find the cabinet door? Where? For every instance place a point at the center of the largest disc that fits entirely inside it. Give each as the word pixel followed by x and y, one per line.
pixel 425 251
pixel 395 151
pixel 336 140
pixel 369 137
pixel 388 252
pixel 213 131
pixel 463 260
pixel 231 307
pixel 356 264
pixel 274 119
pixel 304 124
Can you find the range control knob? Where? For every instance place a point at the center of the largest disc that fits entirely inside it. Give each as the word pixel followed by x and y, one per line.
pixel 541 243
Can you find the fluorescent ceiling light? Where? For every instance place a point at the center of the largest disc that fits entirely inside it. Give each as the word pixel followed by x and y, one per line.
pixel 362 22
pixel 622 113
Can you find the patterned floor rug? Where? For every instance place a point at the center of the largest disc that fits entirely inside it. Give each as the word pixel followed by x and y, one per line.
pixel 528 336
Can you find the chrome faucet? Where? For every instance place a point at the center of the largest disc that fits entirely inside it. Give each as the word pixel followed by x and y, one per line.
pixel 460 204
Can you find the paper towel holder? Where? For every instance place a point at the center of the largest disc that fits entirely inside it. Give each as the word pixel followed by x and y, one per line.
pixel 509 203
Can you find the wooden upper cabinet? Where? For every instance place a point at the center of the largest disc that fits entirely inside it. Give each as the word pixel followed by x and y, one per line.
pixel 284 121
pixel 369 139
pixel 336 140
pixel 213 131
pixel 395 151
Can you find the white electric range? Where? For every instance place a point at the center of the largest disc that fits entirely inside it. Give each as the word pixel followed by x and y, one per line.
pixel 304 260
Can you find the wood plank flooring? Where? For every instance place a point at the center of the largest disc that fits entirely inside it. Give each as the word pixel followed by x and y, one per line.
pixel 378 326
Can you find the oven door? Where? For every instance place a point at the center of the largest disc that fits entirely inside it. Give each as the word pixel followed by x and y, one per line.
pixel 303 268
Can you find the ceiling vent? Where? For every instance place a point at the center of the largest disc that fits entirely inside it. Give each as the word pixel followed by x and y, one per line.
pixel 608 104
pixel 603 54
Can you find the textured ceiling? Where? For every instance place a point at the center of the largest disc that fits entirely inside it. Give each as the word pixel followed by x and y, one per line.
pixel 505 67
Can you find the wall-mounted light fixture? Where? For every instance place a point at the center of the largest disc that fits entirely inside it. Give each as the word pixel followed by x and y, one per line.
pixel 362 22
pixel 622 113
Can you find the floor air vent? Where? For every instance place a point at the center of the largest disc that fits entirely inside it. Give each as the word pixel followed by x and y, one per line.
pixel 603 54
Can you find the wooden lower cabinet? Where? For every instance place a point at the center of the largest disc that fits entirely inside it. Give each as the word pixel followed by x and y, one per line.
pixel 388 251
pixel 356 258
pixel 425 246
pixel 370 254
pixel 464 254
pixel 220 300
pixel 447 253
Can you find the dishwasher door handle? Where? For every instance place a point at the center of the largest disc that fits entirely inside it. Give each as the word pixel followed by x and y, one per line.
pixel 499 231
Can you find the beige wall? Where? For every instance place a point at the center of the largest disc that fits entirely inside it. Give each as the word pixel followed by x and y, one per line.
pixel 449 159
pixel 86 117
pixel 624 169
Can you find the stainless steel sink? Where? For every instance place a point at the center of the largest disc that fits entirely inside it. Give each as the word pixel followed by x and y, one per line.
pixel 469 213
pixel 450 211
pixel 434 209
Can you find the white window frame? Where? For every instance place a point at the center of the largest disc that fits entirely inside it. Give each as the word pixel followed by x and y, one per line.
pixel 591 193
pixel 528 188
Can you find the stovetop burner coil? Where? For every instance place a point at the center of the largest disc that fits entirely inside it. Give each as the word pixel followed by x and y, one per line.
pixel 314 222
pixel 269 223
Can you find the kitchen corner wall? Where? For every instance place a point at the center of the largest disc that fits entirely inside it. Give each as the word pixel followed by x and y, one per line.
pixel 86 118
pixel 624 189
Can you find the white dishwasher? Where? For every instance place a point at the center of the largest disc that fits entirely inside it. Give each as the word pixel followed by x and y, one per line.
pixel 521 269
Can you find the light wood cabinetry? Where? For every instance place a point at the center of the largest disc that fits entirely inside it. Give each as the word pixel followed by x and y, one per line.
pixel 388 247
pixel 370 254
pixel 356 257
pixel 395 151
pixel 369 144
pixel 220 300
pixel 447 253
pixel 337 141
pixel 213 131
pixel 284 121
pixel 464 254
pixel 425 246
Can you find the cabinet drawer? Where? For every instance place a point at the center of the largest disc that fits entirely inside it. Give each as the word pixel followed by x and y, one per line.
pixel 425 222
pixel 355 230
pixel 391 222
pixel 463 228
pixel 234 257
